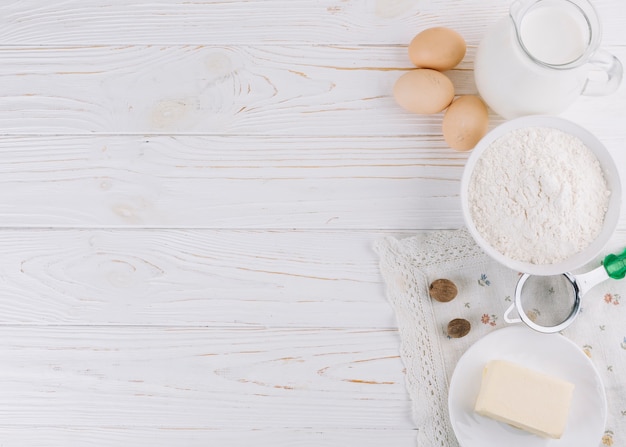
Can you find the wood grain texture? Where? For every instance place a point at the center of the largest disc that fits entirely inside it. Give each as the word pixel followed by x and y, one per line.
pixel 210 378
pixel 202 278
pixel 37 436
pixel 222 182
pixel 288 90
pixel 197 22
pixel 250 22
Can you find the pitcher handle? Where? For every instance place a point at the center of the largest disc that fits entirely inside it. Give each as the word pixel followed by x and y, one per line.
pixel 605 76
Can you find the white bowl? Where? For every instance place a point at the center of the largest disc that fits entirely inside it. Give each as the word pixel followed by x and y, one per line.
pixel 610 172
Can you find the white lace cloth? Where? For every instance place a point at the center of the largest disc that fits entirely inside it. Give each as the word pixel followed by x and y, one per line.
pixel 485 288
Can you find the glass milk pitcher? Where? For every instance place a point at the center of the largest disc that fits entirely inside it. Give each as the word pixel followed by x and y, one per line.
pixel 542 56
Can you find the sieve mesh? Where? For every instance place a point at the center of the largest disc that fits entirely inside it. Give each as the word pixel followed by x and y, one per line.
pixel 548 301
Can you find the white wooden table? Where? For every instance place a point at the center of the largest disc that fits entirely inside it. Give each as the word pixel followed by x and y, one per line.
pixel 190 191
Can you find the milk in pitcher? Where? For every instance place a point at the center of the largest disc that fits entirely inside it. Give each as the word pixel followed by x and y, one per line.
pixel 529 67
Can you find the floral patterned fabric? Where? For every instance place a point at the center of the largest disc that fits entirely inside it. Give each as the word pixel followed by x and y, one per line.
pixel 485 292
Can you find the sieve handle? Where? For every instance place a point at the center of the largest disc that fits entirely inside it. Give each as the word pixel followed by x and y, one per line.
pixel 615 265
pixel 507 318
pixel 587 281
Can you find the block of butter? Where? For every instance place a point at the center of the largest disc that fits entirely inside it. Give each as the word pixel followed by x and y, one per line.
pixel 524 398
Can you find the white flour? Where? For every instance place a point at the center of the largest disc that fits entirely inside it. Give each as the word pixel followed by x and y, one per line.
pixel 538 195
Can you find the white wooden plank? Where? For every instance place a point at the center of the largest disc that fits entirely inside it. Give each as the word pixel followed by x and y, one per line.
pixel 274 21
pixel 313 90
pixel 213 378
pixel 38 436
pixel 251 22
pixel 217 278
pixel 160 181
pixel 269 90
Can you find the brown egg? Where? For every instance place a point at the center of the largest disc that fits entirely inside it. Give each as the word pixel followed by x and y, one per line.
pixel 423 91
pixel 465 122
pixel 438 48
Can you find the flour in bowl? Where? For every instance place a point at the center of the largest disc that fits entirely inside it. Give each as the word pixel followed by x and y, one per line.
pixel 538 195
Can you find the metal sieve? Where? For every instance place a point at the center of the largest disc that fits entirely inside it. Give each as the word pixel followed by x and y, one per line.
pixel 551 303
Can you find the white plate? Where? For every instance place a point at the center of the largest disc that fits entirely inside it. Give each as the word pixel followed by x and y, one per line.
pixel 550 353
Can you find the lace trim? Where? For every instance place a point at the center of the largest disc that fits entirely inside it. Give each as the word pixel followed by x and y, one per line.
pixel 405 265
